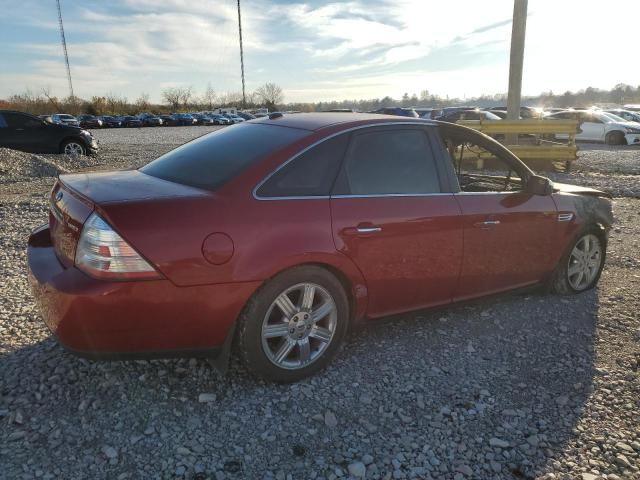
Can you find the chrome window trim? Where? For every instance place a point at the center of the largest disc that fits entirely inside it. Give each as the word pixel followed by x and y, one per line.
pixel 281 166
pixel 384 195
pixel 490 193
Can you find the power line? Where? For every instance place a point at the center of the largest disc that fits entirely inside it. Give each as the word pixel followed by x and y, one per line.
pixel 244 99
pixel 64 47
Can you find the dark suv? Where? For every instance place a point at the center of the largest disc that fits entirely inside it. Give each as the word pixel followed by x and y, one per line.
pixel 22 131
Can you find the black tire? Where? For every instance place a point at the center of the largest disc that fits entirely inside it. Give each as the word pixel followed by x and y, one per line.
pixel 615 138
pixel 561 283
pixel 250 324
pixel 73 146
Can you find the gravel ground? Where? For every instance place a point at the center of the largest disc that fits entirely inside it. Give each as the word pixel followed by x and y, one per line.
pixel 520 386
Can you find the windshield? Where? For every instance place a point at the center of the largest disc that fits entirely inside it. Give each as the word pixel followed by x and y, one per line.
pixel 211 160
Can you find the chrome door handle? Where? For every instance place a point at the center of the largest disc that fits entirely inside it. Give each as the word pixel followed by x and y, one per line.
pixel 487 223
pixel 368 229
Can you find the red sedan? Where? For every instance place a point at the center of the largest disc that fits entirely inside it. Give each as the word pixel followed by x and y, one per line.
pixel 282 231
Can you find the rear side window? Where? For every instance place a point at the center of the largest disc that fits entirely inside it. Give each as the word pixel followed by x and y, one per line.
pixel 3 122
pixel 211 160
pixel 310 174
pixel 389 162
pixel 19 120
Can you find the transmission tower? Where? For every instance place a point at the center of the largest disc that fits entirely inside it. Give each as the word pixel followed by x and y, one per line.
pixel 64 48
pixel 244 99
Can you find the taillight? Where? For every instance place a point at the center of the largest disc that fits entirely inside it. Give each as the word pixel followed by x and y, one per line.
pixel 102 253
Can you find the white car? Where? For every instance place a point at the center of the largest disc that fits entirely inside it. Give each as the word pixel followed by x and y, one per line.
pixel 600 126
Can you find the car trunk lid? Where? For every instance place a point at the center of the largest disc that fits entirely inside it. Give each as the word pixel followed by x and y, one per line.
pixel 75 196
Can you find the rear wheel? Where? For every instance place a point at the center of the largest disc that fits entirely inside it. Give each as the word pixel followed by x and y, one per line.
pixel 294 325
pixel 615 138
pixel 580 269
pixel 73 148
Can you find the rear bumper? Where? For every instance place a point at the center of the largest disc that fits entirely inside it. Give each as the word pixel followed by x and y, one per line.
pixel 137 319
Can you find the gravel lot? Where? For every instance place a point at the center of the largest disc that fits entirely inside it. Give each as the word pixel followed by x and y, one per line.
pixel 520 386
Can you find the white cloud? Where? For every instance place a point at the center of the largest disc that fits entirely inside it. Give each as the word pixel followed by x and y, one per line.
pixel 335 50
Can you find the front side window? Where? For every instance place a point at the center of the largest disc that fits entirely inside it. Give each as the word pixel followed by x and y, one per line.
pixel 388 162
pixel 482 164
pixel 310 174
pixel 211 160
pixel 3 122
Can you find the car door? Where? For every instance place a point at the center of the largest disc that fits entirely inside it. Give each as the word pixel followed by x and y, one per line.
pixel 593 129
pixel 509 233
pixel 394 217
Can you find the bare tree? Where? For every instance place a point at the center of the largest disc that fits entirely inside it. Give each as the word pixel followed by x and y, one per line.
pixel 270 94
pixel 172 96
pixel 53 101
pixel 209 97
pixel 185 95
pixel 142 103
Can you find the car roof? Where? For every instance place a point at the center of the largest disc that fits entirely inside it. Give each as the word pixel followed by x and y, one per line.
pixel 320 120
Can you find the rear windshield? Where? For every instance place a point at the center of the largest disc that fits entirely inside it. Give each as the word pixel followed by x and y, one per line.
pixel 211 160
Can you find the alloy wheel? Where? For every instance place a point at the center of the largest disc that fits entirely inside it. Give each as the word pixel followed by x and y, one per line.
pixel 584 262
pixel 299 326
pixel 73 148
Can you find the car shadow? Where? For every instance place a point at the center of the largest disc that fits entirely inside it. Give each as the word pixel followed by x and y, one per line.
pixel 497 385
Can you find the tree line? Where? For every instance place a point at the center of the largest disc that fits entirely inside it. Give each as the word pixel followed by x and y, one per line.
pixel 271 96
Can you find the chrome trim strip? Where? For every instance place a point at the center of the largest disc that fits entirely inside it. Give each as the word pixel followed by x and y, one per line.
pixel 489 193
pixel 359 127
pixel 383 195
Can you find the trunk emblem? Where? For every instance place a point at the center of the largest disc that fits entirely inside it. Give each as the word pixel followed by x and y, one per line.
pixel 59 196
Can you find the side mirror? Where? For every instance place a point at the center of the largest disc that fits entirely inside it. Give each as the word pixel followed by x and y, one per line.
pixel 538 185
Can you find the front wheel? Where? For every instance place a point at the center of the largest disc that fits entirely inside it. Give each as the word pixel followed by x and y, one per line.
pixel 294 325
pixel 580 270
pixel 615 138
pixel 73 148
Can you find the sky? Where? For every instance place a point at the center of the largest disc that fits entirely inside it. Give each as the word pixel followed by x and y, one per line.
pixel 316 51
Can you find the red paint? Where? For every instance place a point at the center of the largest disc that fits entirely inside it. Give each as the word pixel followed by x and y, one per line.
pixel 414 261
pixel 215 249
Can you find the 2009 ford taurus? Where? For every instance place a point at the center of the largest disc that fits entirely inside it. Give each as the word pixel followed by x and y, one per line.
pixel 282 231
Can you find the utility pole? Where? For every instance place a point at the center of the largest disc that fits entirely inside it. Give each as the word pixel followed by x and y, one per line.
pixel 518 31
pixel 64 49
pixel 244 98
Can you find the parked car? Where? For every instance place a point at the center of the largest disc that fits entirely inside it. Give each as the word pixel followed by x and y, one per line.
pixel 202 119
pixel 596 126
pixel 398 111
pixel 233 118
pixel 185 119
pixel 169 120
pixel 89 121
pixel 22 131
pixel 474 114
pixel 245 115
pixel 632 107
pixel 110 121
pixel 164 260
pixel 525 112
pixel 628 115
pixel 65 119
pixel 220 119
pixel 130 121
pixel 150 120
